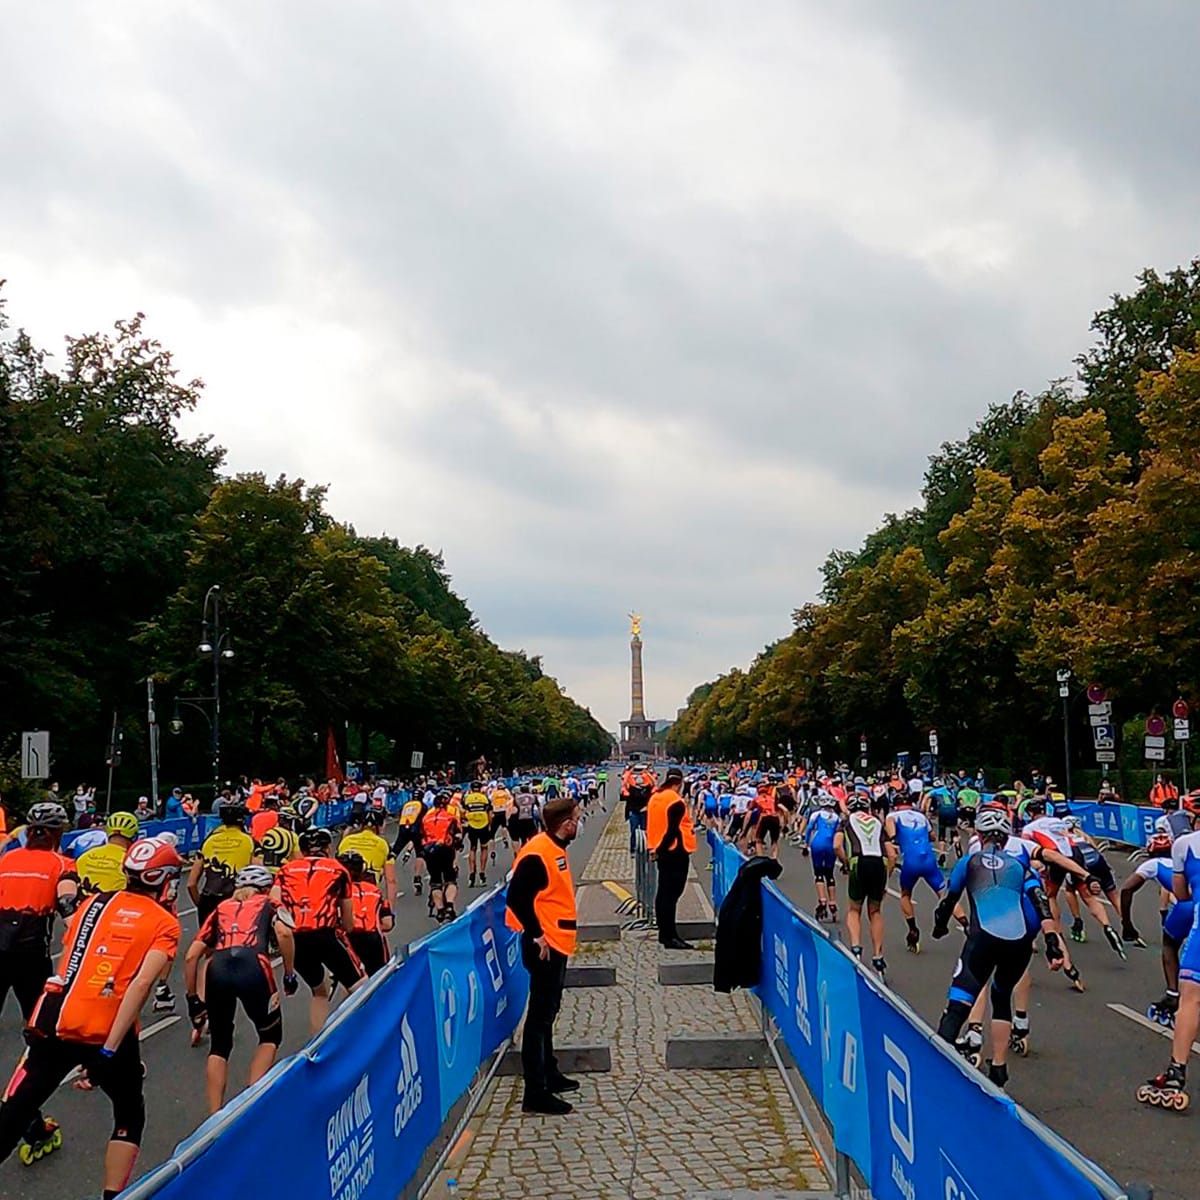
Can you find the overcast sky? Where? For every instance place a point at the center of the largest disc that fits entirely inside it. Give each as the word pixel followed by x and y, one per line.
pixel 622 306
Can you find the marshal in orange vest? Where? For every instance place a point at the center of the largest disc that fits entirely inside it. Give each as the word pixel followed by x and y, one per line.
pixel 656 820
pixel 555 903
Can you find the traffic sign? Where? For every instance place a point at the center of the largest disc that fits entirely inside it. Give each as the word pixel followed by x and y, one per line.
pixel 1155 725
pixel 1095 719
pixel 1183 729
pixel 933 741
pixel 1105 737
pixel 1179 710
pixel 1158 753
pixel 418 760
pixel 1156 742
pixel 1106 756
pixel 1096 693
pixel 1100 708
pixel 35 755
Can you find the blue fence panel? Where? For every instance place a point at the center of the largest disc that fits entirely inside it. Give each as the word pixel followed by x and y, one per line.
pixel 1126 823
pixel 358 1107
pixel 896 1098
pixel 189 832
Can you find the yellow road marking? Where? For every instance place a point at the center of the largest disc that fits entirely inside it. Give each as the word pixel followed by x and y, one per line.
pixel 617 890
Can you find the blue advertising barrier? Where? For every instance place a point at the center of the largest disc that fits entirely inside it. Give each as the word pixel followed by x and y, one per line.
pixel 1126 823
pixel 189 832
pixel 885 1082
pixel 357 1108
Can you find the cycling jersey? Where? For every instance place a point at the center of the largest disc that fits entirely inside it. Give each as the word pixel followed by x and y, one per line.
pixel 1158 869
pixel 101 869
pixel 247 923
pixel 820 830
pixel 1185 861
pixel 367 902
pixel 994 883
pixel 312 890
pixel 526 804
pixel 29 882
pixel 500 799
pixel 375 851
pixel 411 813
pixel 764 802
pixel 439 827
pixel 224 853
pixel 912 836
pixel 866 835
pixel 1050 832
pixel 106 943
pixel 477 810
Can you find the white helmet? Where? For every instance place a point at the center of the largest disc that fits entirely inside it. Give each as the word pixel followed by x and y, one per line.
pixel 993 822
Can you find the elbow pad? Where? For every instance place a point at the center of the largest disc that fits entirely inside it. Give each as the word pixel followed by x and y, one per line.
pixel 66 905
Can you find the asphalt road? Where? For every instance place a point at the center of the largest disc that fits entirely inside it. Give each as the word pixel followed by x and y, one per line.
pixel 1086 1059
pixel 175 1072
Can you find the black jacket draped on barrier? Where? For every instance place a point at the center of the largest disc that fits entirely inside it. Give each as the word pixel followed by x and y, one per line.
pixel 738 958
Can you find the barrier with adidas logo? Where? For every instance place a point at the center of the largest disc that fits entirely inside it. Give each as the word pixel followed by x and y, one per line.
pixel 352 1115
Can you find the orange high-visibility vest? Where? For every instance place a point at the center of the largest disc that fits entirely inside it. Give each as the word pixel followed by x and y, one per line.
pixel 656 821
pixel 555 903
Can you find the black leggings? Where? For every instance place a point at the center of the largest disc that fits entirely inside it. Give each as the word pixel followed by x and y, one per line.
pixel 983 957
pixel 47 1063
pixel 25 975
pixel 239 974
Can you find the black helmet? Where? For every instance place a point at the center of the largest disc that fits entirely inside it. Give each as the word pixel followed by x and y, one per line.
pixel 858 803
pixel 1170 803
pixel 353 862
pixel 231 811
pixel 315 840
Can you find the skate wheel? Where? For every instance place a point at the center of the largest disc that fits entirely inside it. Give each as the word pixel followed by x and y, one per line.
pixel 26 1154
pixel 1144 1095
pixel 1179 1101
pixel 57 1140
pixel 975 1060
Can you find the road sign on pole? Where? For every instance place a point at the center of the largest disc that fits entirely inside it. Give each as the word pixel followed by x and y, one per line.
pixel 933 742
pixel 35 755
pixel 1179 710
pixel 1183 730
pixel 1106 756
pixel 1155 725
pixel 418 760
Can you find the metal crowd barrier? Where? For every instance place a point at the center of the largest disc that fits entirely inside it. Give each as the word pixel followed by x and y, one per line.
pixel 645 885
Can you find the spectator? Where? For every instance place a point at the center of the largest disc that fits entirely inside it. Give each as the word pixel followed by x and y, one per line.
pixel 79 802
pixel 174 810
pixel 144 812
pixel 1107 793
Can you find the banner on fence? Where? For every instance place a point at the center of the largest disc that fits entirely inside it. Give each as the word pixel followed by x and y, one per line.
pixel 359 1106
pixel 886 1083
pixel 1126 823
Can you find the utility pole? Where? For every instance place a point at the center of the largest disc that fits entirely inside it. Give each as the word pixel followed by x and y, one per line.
pixel 1064 690
pixel 114 760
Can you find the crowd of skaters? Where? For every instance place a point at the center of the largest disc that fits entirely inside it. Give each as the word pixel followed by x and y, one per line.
pixel 280 902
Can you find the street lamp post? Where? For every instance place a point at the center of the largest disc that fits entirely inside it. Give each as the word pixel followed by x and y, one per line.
pixel 215 646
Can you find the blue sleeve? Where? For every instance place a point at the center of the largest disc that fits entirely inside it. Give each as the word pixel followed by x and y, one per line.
pixel 958 877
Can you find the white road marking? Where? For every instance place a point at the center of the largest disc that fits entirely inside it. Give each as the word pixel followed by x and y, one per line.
pixel 185 912
pixel 1146 1023
pixel 148 1032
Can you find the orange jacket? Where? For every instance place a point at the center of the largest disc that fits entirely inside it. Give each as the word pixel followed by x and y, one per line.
pixel 656 821
pixel 555 903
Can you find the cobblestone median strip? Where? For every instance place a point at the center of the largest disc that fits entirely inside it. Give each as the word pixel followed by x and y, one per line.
pixel 695 1130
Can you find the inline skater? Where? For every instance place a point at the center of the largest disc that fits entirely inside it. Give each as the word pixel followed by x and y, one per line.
pixel 225 852
pixel 739 811
pixel 764 819
pixel 1099 881
pixel 237 941
pixel 819 835
pixel 1000 933
pixel 1169 1090
pixel 278 846
pixel 523 815
pixel 911 832
pixel 944 804
pixel 315 890
pixel 101 869
pixel 1176 920
pixel 441 834
pixel 501 798
pixel 376 853
pixel 116 946
pixel 408 836
pixel 477 812
pixel 36 881
pixel 373 919
pixel 862 845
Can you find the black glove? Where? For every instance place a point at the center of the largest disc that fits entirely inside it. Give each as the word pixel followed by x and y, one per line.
pixel 940 929
pixel 941 919
pixel 290 984
pixel 1092 884
pixel 1054 951
pixel 197 1011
